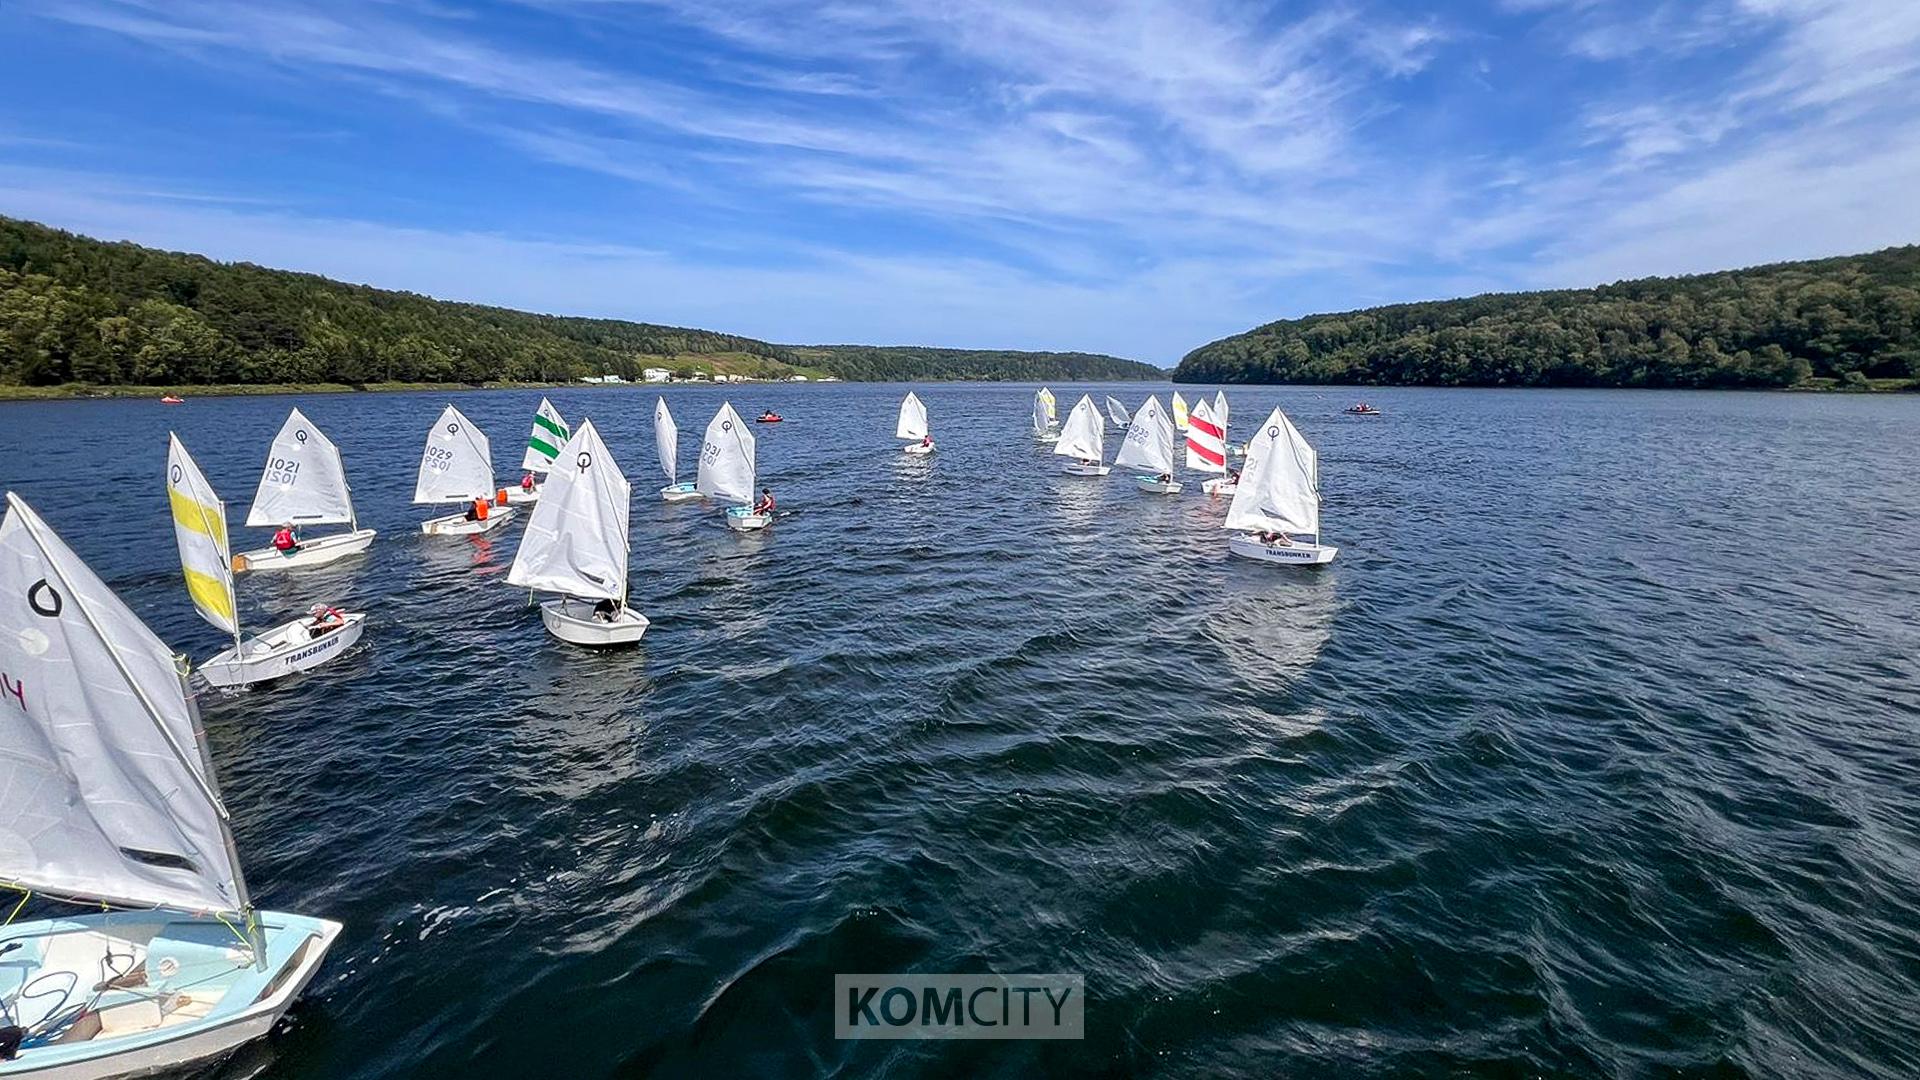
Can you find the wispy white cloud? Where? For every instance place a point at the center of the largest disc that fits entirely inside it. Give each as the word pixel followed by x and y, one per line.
pixel 1134 176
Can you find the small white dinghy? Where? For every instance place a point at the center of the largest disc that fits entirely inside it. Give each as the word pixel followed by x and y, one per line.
pixel 200 528
pixel 112 799
pixel 666 440
pixel 1279 497
pixel 1046 424
pixel 550 433
pixel 1083 438
pixel 457 467
pixel 913 425
pixel 1207 449
pixel 727 467
pixel 1117 412
pixel 577 544
pixel 1149 446
pixel 304 483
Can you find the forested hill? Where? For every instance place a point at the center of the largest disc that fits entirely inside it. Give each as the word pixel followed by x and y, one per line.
pixel 1851 319
pixel 904 363
pixel 78 310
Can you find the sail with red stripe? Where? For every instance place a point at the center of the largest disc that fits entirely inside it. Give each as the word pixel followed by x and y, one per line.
pixel 1206 443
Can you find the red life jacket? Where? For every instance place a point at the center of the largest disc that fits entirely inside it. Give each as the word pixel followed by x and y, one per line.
pixel 284 541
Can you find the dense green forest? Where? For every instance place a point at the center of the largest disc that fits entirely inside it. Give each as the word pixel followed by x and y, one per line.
pixel 77 310
pixel 1850 319
pixel 904 363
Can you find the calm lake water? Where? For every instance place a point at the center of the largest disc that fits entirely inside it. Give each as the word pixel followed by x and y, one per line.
pixel 1595 754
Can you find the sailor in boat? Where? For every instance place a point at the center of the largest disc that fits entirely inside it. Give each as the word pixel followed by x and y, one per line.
pixel 528 483
pixel 607 610
pixel 287 540
pixel 477 510
pixel 1164 478
pixel 765 505
pixel 1276 539
pixel 927 441
pixel 326 619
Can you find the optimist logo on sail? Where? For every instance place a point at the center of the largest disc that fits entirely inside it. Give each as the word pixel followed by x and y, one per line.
pixel 959 1006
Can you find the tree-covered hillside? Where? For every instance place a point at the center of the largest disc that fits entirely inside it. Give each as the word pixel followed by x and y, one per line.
pixel 1851 319
pixel 78 310
pixel 904 363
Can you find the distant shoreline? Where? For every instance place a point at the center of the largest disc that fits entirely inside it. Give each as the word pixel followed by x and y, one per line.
pixel 91 391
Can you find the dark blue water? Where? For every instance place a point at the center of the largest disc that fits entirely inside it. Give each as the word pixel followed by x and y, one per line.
pixel 1596 753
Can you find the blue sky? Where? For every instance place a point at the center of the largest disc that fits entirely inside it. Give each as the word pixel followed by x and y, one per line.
pixel 1134 178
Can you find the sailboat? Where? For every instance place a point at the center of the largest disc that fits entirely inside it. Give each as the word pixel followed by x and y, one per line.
pixel 666 440
pixel 1149 446
pixel 457 467
pixel 577 544
pixel 1083 438
pixel 549 435
pixel 726 468
pixel 1207 449
pixel 1046 427
pixel 200 529
pixel 1180 412
pixel 1117 412
pixel 1279 496
pixel 304 483
pixel 112 799
pixel 913 425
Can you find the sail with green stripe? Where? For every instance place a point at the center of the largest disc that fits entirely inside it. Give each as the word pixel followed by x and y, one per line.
pixel 550 433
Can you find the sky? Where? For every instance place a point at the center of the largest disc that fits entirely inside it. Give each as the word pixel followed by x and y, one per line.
pixel 1134 178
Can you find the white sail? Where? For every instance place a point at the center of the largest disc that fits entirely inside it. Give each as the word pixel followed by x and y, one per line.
pixel 304 482
pixel 549 435
pixel 1280 485
pixel 1206 443
pixel 1179 411
pixel 1220 412
pixel 726 458
pixel 666 441
pixel 108 794
pixel 913 419
pixel 577 539
pixel 1149 441
pixel 1083 436
pixel 1053 408
pixel 1117 412
pixel 457 464
pixel 1042 411
pixel 200 529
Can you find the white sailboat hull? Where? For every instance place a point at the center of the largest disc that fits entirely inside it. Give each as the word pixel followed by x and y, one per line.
pixel 685 492
pixel 1219 485
pixel 1155 485
pixel 458 525
pixel 1299 554
pixel 742 519
pixel 917 449
pixel 517 496
pixel 1077 469
pixel 571 620
pixel 317 551
pixel 280 652
pixel 135 1038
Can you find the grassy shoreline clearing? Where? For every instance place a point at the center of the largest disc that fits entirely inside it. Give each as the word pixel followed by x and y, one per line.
pixel 87 391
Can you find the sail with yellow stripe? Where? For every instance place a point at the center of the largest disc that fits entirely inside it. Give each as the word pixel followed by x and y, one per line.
pixel 200 527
